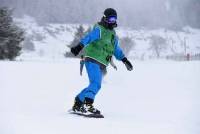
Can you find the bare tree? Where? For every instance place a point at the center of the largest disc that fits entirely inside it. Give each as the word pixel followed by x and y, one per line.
pixel 127 44
pixel 157 45
pixel 80 32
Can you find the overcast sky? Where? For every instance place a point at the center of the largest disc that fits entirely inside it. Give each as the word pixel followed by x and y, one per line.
pixel 134 13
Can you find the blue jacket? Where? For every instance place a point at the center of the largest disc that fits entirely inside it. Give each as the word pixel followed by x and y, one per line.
pixel 95 34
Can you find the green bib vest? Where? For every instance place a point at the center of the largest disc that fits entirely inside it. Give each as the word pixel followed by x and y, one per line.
pixel 102 49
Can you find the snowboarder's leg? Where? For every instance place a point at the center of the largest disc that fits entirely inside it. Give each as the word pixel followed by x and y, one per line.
pixel 88 94
pixel 95 78
pixel 78 106
pixel 89 108
pixel 81 95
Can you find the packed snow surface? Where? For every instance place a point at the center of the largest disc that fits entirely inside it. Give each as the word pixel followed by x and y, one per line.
pixel 157 97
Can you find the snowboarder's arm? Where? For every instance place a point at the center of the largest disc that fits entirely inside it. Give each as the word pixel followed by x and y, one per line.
pixel 91 36
pixel 118 53
pixel 87 39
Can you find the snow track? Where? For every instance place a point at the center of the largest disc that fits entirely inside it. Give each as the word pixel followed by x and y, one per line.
pixel 157 97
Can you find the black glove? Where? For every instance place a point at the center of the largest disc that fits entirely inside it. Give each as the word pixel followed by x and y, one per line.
pixel 127 64
pixel 75 50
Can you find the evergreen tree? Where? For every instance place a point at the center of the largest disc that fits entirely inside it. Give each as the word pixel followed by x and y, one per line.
pixel 10 35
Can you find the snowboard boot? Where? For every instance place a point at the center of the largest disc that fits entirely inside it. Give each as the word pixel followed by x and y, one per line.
pixel 78 106
pixel 89 108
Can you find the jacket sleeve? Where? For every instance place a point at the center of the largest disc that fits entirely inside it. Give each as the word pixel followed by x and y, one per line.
pixel 91 36
pixel 118 53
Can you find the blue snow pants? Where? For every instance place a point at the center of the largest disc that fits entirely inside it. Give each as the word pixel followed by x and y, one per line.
pixel 95 78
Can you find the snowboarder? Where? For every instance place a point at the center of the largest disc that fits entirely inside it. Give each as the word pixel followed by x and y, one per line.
pixel 99 46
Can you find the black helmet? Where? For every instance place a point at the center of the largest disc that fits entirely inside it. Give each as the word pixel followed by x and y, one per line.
pixel 110 12
pixel 109 19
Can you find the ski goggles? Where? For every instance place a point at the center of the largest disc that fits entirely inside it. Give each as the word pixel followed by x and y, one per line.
pixel 112 19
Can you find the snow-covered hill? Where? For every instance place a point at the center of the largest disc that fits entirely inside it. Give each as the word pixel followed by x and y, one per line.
pixel 157 97
pixel 50 41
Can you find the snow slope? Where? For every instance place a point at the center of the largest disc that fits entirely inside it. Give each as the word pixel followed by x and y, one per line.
pixel 51 40
pixel 157 97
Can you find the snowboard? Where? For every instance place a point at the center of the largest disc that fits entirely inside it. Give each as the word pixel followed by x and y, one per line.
pixel 86 115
